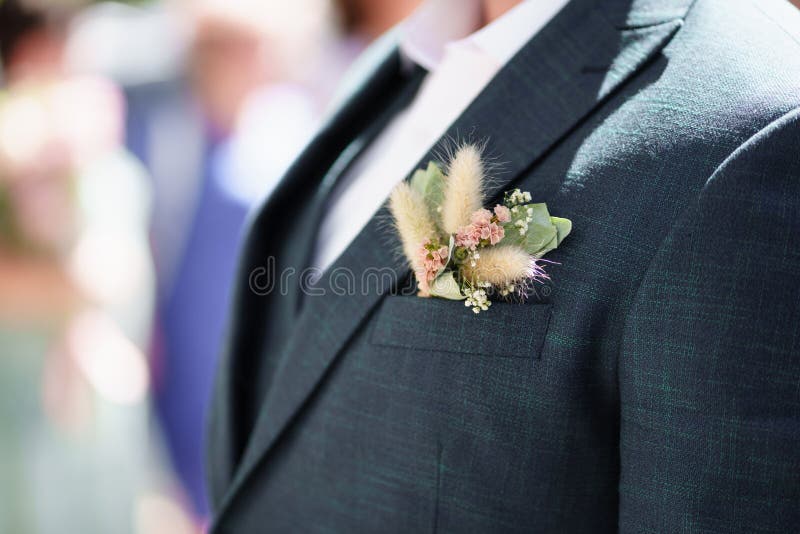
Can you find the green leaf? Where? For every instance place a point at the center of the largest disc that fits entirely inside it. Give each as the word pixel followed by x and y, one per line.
pixel 430 184
pixel 540 233
pixel 544 232
pixel 563 226
pixel 552 245
pixel 446 287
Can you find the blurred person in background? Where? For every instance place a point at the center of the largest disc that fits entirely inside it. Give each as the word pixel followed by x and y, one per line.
pixel 209 164
pixel 197 221
pixel 76 296
pixel 216 137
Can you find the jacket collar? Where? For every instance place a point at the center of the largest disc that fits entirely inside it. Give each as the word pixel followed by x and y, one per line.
pixel 554 82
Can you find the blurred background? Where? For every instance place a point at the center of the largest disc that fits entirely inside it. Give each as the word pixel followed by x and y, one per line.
pixel 134 139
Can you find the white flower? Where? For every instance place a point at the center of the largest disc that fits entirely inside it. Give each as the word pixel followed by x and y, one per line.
pixel 477 299
pixel 517 197
pixel 506 291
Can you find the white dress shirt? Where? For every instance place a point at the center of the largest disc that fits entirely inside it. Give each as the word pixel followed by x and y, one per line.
pixel 443 36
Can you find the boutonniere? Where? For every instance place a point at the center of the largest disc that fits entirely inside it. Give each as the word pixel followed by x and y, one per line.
pixel 461 250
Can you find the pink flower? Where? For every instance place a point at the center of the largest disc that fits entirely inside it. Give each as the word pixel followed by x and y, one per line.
pixel 502 213
pixel 468 236
pixel 424 285
pixel 496 233
pixel 492 233
pixel 435 260
pixel 430 261
pixel 481 217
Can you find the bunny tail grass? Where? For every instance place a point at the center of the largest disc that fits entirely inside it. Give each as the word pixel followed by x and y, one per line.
pixel 501 266
pixel 412 219
pixel 463 192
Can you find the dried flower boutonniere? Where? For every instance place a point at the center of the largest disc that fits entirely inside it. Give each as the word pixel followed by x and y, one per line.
pixel 460 250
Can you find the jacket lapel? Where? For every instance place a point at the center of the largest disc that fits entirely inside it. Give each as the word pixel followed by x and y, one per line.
pixel 307 236
pixel 315 170
pixel 551 85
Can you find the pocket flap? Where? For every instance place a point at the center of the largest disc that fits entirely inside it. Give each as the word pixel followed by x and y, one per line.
pixel 439 325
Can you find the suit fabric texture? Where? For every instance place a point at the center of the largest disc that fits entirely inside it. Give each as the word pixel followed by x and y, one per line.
pixel 653 385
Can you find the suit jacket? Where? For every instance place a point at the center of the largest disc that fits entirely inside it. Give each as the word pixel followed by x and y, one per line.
pixel 652 386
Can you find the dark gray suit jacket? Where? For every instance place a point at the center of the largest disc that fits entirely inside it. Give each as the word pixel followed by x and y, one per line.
pixel 652 386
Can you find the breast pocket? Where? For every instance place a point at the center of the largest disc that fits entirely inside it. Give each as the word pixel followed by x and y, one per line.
pixel 505 330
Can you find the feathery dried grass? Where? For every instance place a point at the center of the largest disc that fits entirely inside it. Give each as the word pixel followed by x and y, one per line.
pixel 412 219
pixel 501 265
pixel 463 190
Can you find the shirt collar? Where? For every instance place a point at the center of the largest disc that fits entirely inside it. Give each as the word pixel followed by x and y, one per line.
pixel 436 24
